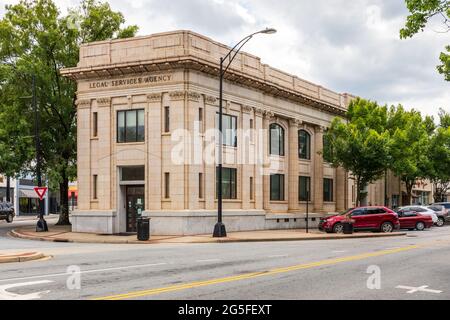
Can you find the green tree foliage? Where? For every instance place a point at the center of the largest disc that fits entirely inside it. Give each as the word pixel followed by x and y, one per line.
pixel 408 146
pixel 421 12
pixel 36 39
pixel 360 143
pixel 439 156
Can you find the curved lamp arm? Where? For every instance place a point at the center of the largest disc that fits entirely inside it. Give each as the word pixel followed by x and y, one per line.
pixel 239 46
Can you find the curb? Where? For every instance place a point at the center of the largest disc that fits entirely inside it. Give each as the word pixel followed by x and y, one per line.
pixel 29 256
pixel 16 234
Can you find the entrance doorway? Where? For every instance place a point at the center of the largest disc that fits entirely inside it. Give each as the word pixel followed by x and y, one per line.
pixel 135 206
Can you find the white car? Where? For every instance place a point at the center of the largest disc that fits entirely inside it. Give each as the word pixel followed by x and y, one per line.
pixel 421 210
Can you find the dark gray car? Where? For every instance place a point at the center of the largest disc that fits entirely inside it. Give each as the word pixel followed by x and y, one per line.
pixel 7 212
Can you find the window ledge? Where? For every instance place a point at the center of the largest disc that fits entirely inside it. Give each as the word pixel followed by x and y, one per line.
pixel 130 143
pixel 166 134
pixel 279 201
pixel 94 138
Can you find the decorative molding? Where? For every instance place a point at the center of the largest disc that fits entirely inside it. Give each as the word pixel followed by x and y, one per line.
pixel 269 115
pixel 259 112
pixel 103 102
pixel 211 100
pixel 83 103
pixel 193 96
pixel 154 97
pixel 319 129
pixel 177 95
pixel 247 109
pixel 295 122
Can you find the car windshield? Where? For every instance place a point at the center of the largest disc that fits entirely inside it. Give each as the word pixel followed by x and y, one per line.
pixel 343 213
pixel 435 208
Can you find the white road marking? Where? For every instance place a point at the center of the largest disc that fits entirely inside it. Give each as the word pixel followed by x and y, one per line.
pixel 339 251
pixel 85 271
pixel 418 289
pixel 5 295
pixel 279 256
pixel 209 260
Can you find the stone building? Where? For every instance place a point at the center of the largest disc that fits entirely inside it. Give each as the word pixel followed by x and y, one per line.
pixel 146 110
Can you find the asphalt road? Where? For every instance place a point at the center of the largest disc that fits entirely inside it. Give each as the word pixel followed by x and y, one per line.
pixel 412 267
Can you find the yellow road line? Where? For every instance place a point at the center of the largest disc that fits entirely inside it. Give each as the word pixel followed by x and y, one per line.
pixel 251 275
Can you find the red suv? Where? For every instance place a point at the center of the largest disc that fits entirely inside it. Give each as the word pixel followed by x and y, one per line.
pixel 365 218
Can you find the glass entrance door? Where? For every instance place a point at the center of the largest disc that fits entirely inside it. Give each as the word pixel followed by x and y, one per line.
pixel 135 206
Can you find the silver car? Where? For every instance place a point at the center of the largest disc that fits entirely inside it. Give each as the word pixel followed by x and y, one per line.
pixel 422 210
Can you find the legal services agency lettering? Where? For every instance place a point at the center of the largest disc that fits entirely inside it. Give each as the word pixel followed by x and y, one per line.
pixel 130 81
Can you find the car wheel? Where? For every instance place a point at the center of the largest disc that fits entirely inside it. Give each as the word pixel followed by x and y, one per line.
pixel 9 218
pixel 387 227
pixel 420 226
pixel 338 228
pixel 440 222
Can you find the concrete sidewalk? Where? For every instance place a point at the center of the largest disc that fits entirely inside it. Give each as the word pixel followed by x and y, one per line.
pixel 64 234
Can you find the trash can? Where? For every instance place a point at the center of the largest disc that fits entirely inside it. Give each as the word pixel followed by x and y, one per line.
pixel 347 227
pixel 143 229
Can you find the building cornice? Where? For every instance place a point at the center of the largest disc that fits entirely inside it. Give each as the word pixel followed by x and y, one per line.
pixel 196 53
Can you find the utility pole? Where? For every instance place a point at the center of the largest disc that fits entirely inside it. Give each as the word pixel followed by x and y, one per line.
pixel 41 224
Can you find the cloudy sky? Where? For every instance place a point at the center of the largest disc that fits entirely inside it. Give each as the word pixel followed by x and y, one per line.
pixel 347 46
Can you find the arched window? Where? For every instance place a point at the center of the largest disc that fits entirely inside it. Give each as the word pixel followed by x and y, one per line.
pixel 304 145
pixel 276 140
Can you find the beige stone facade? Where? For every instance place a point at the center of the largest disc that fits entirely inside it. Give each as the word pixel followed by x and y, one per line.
pixel 177 73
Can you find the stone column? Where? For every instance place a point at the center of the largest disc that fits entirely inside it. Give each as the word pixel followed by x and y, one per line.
pixel 84 154
pixel 268 117
pixel 293 165
pixel 341 189
pixel 318 169
pixel 154 164
pixel 211 107
pixel 104 153
pixel 260 154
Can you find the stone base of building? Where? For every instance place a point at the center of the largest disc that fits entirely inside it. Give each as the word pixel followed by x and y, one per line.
pixel 179 223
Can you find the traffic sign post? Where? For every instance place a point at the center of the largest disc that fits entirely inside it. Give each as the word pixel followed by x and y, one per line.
pixel 41 191
pixel 42 224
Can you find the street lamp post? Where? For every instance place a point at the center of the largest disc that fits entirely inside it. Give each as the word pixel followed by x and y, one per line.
pixel 219 228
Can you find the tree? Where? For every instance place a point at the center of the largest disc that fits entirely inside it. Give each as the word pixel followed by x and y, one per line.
pixel 359 145
pixel 421 13
pixel 439 156
pixel 36 39
pixel 408 146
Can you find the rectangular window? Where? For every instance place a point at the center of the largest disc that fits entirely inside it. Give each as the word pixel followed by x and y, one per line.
pixel 200 119
pixel 200 185
pixel 95 124
pixel 94 187
pixel 166 119
pixel 251 129
pixel 304 188
pixel 229 129
pixel 133 173
pixel 328 190
pixel 130 126
pixel 229 183
pixel 277 187
pixel 167 185
pixel 251 188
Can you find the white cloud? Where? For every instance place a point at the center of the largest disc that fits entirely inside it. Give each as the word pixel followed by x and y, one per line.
pixel 347 46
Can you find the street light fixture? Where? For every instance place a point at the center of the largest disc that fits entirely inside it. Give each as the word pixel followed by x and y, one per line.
pixel 219 228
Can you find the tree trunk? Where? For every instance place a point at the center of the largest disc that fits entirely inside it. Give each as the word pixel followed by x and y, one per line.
pixel 64 198
pixel 409 186
pixel 358 192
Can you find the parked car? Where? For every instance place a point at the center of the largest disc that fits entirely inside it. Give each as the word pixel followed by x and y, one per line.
pixel 413 220
pixel 365 218
pixel 422 210
pixel 446 205
pixel 7 212
pixel 441 212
